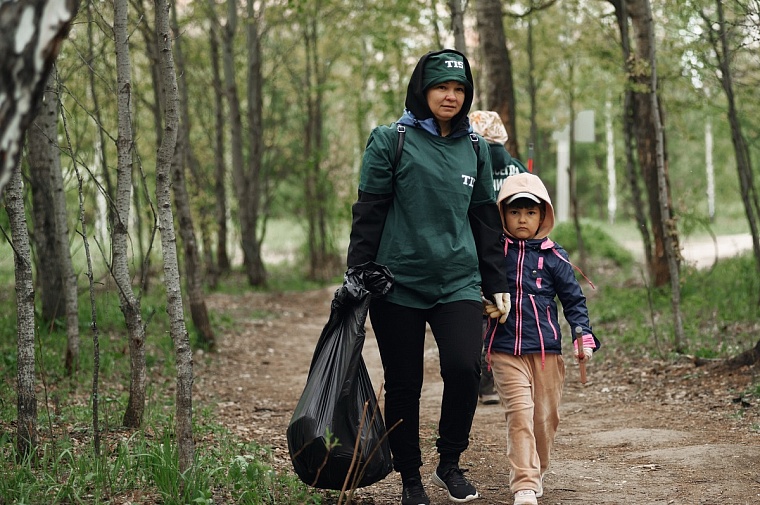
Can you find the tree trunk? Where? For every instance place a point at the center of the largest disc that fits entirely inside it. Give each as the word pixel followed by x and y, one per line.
pixel 670 237
pixel 183 155
pixel 741 149
pixel 220 169
pixel 93 313
pixel 533 162
pixel 648 123
pixel 26 427
pixel 239 177
pixel 457 25
pixel 32 31
pixel 629 128
pixel 43 158
pixel 182 350
pixel 256 271
pixel 68 275
pixel 315 199
pixel 499 88
pixel 102 156
pixel 129 303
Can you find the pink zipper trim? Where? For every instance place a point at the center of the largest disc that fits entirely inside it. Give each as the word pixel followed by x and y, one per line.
pixel 538 326
pixel 549 318
pixel 519 296
pixel 490 340
pixel 556 253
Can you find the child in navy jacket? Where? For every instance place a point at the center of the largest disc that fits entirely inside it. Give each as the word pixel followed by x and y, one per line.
pixel 525 352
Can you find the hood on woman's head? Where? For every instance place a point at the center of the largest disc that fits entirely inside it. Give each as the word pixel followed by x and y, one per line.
pixel 532 186
pixel 434 68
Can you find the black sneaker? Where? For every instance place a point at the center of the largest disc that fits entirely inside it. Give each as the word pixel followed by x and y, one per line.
pixel 460 490
pixel 414 493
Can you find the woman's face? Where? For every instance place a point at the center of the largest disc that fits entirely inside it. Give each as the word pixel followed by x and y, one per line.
pixel 445 101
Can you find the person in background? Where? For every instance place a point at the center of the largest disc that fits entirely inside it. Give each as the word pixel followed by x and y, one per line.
pixel 525 352
pixel 431 219
pixel 488 125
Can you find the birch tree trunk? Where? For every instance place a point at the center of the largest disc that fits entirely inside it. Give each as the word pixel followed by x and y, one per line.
pixel 29 50
pixel 183 156
pixel 102 152
pixel 43 158
pixel 499 88
pixel 26 427
pixel 129 303
pixel 56 276
pixel 68 274
pixel 182 350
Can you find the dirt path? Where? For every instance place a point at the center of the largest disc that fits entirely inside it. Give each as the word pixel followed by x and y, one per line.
pixel 637 433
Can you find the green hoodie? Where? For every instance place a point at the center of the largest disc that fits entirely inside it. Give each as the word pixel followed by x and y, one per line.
pixel 440 192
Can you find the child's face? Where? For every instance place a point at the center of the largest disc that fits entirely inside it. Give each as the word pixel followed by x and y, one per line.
pixel 523 223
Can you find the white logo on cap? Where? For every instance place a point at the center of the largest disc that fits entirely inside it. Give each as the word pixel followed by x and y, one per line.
pixel 454 64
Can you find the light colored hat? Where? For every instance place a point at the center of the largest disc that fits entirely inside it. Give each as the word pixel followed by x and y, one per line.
pixel 488 125
pixel 526 185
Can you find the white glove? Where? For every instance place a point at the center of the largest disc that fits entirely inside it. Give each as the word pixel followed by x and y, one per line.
pixel 499 308
pixel 588 353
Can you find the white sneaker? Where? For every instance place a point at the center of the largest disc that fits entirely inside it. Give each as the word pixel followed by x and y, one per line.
pixel 489 399
pixel 525 497
pixel 540 491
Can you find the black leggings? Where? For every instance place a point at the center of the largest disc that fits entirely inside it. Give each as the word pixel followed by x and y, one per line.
pixel 400 333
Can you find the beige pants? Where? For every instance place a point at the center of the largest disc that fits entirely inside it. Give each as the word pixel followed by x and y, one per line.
pixel 531 395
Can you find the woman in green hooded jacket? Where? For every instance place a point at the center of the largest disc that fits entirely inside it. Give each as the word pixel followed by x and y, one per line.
pixel 431 218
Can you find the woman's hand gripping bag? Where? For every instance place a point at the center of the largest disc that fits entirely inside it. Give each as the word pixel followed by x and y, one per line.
pixel 322 434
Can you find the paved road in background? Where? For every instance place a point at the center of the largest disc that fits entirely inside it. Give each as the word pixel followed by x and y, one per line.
pixel 703 251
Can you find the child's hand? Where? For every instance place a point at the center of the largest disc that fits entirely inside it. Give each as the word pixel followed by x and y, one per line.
pixel 500 308
pixel 588 353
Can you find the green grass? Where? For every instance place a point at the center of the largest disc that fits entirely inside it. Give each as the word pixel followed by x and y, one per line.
pixel 720 320
pixel 138 466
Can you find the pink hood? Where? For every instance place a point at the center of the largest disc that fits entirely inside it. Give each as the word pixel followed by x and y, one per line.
pixel 527 183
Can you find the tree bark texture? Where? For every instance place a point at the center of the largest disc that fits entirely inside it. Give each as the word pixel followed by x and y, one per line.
pixel 128 302
pixel 256 271
pixel 314 190
pixel 44 157
pixel 67 274
pixel 741 149
pixel 647 123
pixel 182 350
pixel 26 427
pixel 457 25
pixel 239 177
pixel 629 128
pixel 183 156
pixel 102 154
pixel 670 237
pixel 500 88
pixel 220 169
pixel 31 34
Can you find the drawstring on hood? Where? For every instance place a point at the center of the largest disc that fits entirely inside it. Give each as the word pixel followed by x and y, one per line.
pixel 433 68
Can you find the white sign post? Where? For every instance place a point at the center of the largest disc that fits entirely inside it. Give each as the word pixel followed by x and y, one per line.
pixel 584 132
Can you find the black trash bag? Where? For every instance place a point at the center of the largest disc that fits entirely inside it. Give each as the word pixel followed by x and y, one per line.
pixel 336 390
